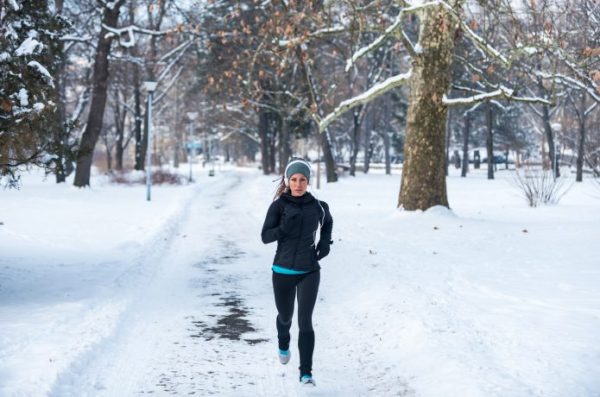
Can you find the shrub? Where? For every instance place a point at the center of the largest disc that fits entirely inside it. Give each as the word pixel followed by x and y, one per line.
pixel 159 177
pixel 539 186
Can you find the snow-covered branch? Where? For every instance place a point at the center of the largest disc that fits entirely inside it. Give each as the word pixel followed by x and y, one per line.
pixel 169 85
pixel 130 31
pixel 391 30
pixel 479 41
pixel 590 109
pixel 80 39
pixel 81 104
pixel 182 47
pixel 502 92
pixel 374 92
pixel 567 80
pixel 182 51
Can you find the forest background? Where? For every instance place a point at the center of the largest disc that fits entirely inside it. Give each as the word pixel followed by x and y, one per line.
pixel 352 83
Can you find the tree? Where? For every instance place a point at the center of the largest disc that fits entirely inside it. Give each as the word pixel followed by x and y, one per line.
pixel 99 93
pixel 29 57
pixel 423 182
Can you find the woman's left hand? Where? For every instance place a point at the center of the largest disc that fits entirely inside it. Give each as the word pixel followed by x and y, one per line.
pixel 322 249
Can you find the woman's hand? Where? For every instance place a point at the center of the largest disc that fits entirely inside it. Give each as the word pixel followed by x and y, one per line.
pixel 322 249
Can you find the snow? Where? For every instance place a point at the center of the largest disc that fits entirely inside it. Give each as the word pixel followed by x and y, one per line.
pixel 43 71
pixel 103 293
pixel 15 6
pixel 23 97
pixel 30 45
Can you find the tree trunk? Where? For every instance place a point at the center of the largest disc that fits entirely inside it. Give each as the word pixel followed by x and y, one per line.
pixel 108 157
pixel 423 182
pixel 554 166
pixel 328 155
pixel 100 82
pixel 355 139
pixel 448 132
pixel 489 140
pixel 368 121
pixel 263 132
pixel 61 137
pixel 581 140
pixel 387 139
pixel 120 116
pixel 139 148
pixel 466 133
pixel 285 153
pixel 386 152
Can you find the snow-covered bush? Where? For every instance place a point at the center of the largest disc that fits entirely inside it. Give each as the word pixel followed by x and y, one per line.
pixel 539 186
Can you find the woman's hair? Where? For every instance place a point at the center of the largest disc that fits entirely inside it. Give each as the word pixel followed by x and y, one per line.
pixel 281 188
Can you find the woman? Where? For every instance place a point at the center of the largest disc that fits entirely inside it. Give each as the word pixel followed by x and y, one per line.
pixel 293 220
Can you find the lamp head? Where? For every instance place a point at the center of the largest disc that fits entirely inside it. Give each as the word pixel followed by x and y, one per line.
pixel 150 85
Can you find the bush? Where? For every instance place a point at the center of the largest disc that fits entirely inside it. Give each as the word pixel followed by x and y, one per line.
pixel 159 177
pixel 539 186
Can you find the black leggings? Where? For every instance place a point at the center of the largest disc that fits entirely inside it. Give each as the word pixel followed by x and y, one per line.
pixel 285 287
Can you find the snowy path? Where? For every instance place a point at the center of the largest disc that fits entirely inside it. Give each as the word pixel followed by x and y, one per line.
pixel 201 323
pixel 491 299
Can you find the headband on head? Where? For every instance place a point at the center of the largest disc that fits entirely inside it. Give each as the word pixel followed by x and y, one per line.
pixel 297 166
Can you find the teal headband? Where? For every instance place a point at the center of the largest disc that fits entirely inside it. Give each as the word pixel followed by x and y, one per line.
pixel 297 167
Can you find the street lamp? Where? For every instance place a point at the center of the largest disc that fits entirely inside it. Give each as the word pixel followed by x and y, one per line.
pixel 150 87
pixel 191 116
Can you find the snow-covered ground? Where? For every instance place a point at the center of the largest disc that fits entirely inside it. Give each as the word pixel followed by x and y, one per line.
pixel 103 293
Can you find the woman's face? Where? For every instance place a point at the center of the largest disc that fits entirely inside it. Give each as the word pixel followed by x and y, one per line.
pixel 298 185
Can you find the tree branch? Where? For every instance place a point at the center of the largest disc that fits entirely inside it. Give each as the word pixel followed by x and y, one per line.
pixel 501 92
pixel 372 93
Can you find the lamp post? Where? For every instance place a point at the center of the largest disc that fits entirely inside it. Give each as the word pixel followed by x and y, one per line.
pixel 150 87
pixel 191 116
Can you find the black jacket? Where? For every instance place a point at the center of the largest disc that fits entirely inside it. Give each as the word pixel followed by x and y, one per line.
pixel 293 223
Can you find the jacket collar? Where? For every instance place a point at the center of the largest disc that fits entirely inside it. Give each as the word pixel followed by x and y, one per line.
pixel 305 198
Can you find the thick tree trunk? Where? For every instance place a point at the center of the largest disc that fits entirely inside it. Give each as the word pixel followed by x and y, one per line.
pixel 423 182
pixel 489 140
pixel 465 148
pixel 100 81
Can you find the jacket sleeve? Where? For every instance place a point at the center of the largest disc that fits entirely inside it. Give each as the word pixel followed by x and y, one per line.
pixel 271 230
pixel 327 226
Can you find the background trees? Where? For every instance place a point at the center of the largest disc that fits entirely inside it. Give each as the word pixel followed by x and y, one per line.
pixel 345 82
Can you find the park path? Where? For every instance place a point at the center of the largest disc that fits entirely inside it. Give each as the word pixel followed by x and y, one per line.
pixel 201 322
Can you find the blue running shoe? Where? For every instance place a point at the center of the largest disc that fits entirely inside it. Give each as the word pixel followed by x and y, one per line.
pixel 284 356
pixel 307 380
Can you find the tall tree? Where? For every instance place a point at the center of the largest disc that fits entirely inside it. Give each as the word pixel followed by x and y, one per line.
pixel 93 128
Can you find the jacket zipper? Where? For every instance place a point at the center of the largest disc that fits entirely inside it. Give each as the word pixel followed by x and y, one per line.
pixel 300 237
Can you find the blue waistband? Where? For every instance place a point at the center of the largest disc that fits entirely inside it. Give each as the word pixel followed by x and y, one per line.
pixel 285 270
